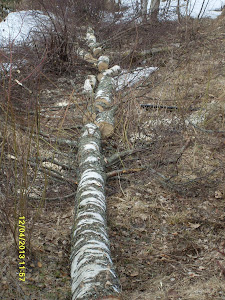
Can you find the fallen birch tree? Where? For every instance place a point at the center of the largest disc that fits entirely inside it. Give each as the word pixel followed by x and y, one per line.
pixel 92 272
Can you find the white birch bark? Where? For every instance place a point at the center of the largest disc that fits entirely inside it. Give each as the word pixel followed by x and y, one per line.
pixel 91 42
pixel 115 70
pixel 103 63
pixel 105 122
pixel 89 85
pixel 92 272
pixel 103 95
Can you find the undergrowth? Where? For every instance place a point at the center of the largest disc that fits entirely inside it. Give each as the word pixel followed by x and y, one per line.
pixel 179 156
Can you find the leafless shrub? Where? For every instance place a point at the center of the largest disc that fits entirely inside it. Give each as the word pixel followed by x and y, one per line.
pixel 61 35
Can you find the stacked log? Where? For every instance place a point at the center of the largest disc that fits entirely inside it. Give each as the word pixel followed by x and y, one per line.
pixel 91 42
pixel 92 272
pixel 115 70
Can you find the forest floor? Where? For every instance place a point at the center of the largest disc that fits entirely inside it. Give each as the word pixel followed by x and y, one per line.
pixel 165 220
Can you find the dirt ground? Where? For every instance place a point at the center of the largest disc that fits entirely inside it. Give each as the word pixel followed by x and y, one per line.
pixel 166 221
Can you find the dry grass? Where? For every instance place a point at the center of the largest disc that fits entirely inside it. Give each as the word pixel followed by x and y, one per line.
pixel 164 233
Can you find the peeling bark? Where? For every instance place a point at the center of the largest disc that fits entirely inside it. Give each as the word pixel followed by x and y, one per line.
pixel 92 272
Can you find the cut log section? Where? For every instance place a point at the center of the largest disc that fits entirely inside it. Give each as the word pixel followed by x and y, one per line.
pixel 92 272
pixel 115 70
pixel 96 51
pixel 91 42
pixel 99 76
pixel 103 95
pixel 90 36
pixel 88 89
pixel 103 63
pixel 105 122
pixel 89 58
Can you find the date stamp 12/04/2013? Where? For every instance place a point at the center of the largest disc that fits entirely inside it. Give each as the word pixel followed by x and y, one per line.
pixel 22 242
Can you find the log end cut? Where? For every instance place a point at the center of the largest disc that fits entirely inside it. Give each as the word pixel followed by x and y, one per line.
pixel 89 58
pixel 106 129
pixel 103 63
pixel 99 76
pixel 97 51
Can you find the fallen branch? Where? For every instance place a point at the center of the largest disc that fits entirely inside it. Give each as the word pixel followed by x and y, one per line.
pixel 164 180
pixel 19 83
pixel 149 106
pixel 205 130
pixel 56 162
pixel 118 156
pixel 52 173
pixel 58 140
pixel 177 156
pixel 54 198
pixel 123 171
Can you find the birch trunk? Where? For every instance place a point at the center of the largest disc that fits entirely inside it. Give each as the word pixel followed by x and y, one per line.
pixel 92 272
pixel 91 42
pixel 105 122
pixel 103 95
pixel 144 9
pixel 154 9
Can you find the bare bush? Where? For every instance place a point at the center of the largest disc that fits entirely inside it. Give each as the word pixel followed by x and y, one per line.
pixel 63 37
